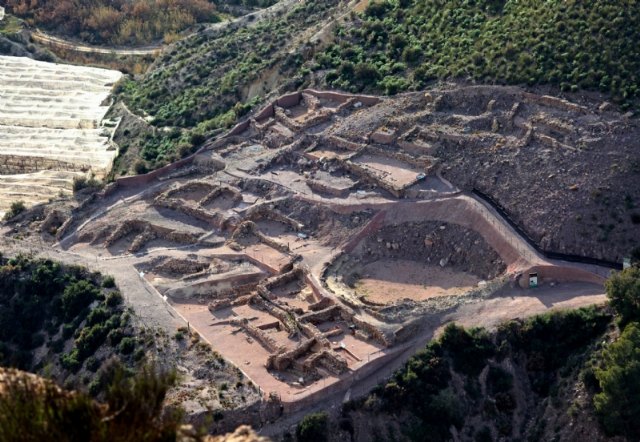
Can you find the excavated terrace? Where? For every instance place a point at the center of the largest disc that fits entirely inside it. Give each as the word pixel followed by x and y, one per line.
pixel 306 268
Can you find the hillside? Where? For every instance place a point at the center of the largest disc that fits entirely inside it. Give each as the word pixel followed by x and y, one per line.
pixel 73 327
pixel 125 22
pixel 34 408
pixel 395 46
pixel 63 317
pixel 528 380
pixel 401 45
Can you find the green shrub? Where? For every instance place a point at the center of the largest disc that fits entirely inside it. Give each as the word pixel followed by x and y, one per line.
pixel 98 315
pixel 127 345
pixel 71 360
pixel 108 282
pixel 90 339
pixel 17 207
pixel 618 405
pixel 469 349
pixel 82 182
pixel 77 296
pixel 623 291
pixel 140 167
pixel 115 336
pixel 114 321
pixel 499 380
pixel 197 139
pixel 114 299
pixel 92 363
pixel 313 428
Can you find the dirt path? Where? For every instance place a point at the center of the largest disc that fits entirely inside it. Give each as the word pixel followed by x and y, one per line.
pixel 146 302
pixel 246 20
pixel 47 39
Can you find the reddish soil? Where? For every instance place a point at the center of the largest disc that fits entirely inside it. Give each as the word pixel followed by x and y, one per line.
pixel 395 172
pixel 390 280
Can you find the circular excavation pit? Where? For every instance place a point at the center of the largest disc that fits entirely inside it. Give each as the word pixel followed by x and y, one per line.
pixel 415 262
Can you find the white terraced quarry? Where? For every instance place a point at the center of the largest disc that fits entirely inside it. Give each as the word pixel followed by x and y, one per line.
pixel 51 128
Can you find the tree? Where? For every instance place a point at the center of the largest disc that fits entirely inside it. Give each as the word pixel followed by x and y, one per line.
pixel 618 405
pixel 623 291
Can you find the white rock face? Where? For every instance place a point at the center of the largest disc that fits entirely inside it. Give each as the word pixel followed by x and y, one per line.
pixel 51 127
pixel 1 13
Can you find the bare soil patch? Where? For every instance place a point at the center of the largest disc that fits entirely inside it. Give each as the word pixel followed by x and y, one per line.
pixel 391 280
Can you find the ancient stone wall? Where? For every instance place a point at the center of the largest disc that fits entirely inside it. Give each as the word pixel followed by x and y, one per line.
pixel 558 103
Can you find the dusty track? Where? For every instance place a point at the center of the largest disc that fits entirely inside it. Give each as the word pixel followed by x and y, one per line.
pixel 60 43
pixel 247 20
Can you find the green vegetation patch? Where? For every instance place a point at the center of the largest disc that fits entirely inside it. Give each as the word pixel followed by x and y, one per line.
pixel 397 45
pixel 440 386
pixel 45 304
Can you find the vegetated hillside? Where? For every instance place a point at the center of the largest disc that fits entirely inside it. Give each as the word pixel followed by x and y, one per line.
pixel 403 44
pixel 211 79
pixel 13 42
pixel 121 22
pixel 36 409
pixel 62 322
pixel 562 376
pixel 71 326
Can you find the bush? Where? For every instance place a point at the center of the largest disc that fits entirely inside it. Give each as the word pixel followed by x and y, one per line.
pixel 77 296
pixel 36 410
pixel 98 315
pixel 71 360
pixel 469 349
pixel 140 167
pixel 90 339
pixel 313 428
pixel 114 299
pixel 618 406
pixel 499 380
pixel 197 139
pixel 92 364
pixel 623 291
pixel 17 207
pixel 127 345
pixel 82 182
pixel 108 282
pixel 115 336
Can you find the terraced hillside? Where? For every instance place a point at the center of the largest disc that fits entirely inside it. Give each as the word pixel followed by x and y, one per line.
pixel 52 129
